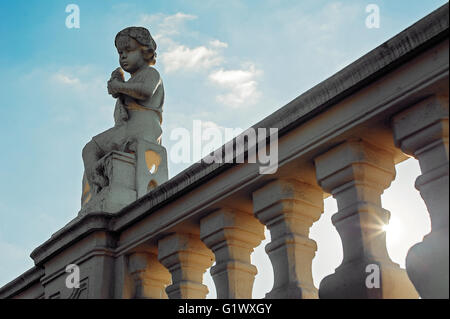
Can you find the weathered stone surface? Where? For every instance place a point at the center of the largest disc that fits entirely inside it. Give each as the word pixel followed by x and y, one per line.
pixel 356 174
pixel 150 277
pixel 120 169
pixel 289 208
pixel 187 258
pixel 422 131
pixel 232 235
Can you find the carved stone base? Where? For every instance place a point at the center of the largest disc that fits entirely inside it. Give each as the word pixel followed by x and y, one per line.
pixel 129 176
pixel 120 170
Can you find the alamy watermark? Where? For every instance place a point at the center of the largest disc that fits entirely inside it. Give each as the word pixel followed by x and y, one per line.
pixel 373 19
pixel 73 19
pixel 252 145
pixel 73 279
pixel 373 279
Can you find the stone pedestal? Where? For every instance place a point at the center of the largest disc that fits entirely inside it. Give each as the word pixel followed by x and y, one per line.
pixel 422 131
pixel 356 174
pixel 232 235
pixel 130 176
pixel 119 168
pixel 289 208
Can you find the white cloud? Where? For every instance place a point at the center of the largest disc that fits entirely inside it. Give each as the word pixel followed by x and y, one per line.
pixel 170 24
pixel 242 86
pixel 182 57
pixel 166 25
pixel 238 86
pixel 65 79
pixel 218 44
pixel 176 56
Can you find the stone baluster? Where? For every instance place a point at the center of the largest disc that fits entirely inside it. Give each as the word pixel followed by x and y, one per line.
pixel 232 235
pixel 356 174
pixel 149 276
pixel 422 131
pixel 289 208
pixel 187 259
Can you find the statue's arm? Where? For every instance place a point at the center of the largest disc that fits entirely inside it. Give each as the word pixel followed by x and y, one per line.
pixel 139 90
pixel 136 90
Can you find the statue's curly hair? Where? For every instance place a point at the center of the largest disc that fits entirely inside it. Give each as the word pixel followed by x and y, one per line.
pixel 143 37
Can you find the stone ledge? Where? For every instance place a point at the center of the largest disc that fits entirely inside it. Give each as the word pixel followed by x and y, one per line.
pixel 22 282
pixel 75 230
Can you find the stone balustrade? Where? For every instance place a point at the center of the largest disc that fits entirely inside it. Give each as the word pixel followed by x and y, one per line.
pixel 357 173
pixel 232 235
pixel 422 132
pixel 342 138
pixel 288 208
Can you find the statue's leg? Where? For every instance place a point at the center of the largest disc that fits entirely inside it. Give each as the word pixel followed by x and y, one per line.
pixel 91 154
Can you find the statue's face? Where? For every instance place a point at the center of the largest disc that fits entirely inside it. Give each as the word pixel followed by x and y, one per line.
pixel 130 54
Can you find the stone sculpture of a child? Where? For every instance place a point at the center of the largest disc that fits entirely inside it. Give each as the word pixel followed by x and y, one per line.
pixel 138 111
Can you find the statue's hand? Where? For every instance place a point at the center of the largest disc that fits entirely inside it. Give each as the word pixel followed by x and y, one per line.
pixel 118 75
pixel 113 87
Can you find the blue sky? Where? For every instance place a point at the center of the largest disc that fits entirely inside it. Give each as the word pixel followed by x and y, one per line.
pixel 226 63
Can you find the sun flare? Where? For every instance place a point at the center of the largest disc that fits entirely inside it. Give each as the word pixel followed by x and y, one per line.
pixel 394 229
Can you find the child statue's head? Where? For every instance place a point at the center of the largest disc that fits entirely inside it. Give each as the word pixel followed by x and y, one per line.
pixel 136 47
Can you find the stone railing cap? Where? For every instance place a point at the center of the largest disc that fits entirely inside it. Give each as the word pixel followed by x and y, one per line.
pixel 22 282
